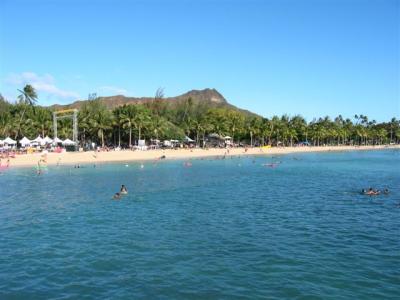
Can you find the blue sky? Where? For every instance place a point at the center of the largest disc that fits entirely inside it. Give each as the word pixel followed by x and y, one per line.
pixel 307 57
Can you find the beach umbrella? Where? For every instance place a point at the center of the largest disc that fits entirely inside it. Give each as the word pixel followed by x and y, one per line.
pixel 68 142
pixel 25 141
pixel 47 140
pixel 9 141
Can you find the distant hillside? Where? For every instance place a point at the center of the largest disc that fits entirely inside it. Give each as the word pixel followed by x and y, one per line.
pixel 210 97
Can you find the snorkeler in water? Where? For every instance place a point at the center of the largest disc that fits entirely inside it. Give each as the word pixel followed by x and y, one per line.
pixel 371 192
pixel 123 190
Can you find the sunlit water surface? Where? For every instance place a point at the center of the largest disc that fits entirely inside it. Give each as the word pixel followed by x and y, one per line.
pixel 220 229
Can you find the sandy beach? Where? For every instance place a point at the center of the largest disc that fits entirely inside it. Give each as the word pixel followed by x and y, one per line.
pixel 71 158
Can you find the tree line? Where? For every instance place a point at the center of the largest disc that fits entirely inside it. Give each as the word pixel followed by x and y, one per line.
pixel 159 120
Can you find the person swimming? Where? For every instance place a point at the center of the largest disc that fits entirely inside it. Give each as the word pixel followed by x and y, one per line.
pixel 117 196
pixel 123 190
pixel 371 192
pixel 386 191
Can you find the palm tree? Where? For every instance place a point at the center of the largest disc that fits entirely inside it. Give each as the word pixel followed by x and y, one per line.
pixel 393 122
pixel 135 116
pixel 118 121
pixel 7 124
pixel 101 121
pixel 128 114
pixel 28 97
pixel 198 126
pixel 158 124
pixel 41 121
pixel 84 122
pixel 235 122
pixel 141 120
pixel 218 120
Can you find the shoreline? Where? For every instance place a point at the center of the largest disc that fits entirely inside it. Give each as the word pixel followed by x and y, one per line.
pixel 89 157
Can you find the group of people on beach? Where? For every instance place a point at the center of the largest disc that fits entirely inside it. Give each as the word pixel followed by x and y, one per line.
pixel 374 192
pixel 123 191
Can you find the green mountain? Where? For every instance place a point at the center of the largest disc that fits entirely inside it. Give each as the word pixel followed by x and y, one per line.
pixel 207 97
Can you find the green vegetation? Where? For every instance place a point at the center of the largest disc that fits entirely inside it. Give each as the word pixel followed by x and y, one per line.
pixel 158 119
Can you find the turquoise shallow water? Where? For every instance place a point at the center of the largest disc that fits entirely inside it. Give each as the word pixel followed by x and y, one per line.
pixel 221 229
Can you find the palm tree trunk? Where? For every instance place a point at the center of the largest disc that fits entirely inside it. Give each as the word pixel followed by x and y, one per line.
pixel 119 136
pixel 19 125
pixel 130 136
pixel 140 132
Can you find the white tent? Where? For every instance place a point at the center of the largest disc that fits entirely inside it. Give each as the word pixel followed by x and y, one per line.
pixel 68 142
pixel 57 140
pixel 1 142
pixel 9 141
pixel 188 139
pixel 38 141
pixel 227 137
pixel 25 141
pixel 215 136
pixel 47 140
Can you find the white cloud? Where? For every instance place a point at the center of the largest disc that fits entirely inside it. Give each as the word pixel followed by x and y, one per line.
pixel 107 89
pixel 44 83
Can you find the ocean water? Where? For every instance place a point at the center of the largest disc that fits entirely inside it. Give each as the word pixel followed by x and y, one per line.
pixel 220 229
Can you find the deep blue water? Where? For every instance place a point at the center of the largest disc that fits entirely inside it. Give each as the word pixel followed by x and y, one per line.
pixel 221 229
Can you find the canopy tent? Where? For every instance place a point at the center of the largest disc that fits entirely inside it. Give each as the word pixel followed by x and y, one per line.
pixel 214 136
pixel 227 137
pixel 57 140
pixel 39 141
pixel 68 142
pixel 9 141
pixel 25 141
pixel 47 140
pixel 188 139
